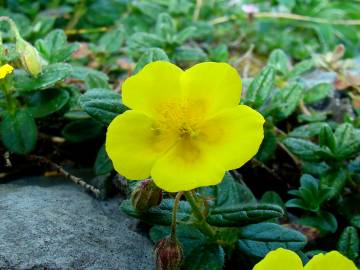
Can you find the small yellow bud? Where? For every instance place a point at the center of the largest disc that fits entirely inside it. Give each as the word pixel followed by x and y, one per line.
pixel 30 58
pixel 146 195
pixel 5 70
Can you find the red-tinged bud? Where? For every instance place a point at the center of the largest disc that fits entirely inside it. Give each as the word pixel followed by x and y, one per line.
pixel 146 195
pixel 168 254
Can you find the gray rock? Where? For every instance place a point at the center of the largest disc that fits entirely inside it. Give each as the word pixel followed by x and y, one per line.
pixel 49 223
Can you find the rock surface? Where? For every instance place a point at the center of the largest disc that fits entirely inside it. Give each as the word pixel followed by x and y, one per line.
pixel 49 223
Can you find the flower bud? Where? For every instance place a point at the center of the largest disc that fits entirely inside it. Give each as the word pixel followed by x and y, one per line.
pixel 146 195
pixel 29 56
pixel 168 254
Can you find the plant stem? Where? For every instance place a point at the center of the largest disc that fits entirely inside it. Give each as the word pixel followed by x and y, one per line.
pixel 175 207
pixel 12 24
pixel 304 109
pixel 80 10
pixel 10 102
pixel 204 226
pixel 197 10
pixel 289 16
pixel 86 31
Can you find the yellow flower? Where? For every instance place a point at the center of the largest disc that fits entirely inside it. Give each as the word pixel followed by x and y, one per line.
pixel 282 259
pixel 5 70
pixel 185 128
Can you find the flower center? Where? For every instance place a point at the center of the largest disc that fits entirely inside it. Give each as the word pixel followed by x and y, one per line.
pixel 180 118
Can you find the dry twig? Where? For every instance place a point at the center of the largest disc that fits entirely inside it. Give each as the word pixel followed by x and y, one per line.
pixel 61 170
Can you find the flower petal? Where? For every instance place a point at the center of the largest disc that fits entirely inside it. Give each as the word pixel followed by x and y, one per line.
pixel 186 166
pixel 133 144
pixel 215 86
pixel 5 70
pixel 280 259
pixel 157 83
pixel 234 136
pixel 330 261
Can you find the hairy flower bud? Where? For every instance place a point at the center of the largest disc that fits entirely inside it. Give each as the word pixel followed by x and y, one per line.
pixel 146 195
pixel 29 56
pixel 168 254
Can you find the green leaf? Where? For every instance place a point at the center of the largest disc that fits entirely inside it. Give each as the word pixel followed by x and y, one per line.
pixel 300 68
pixel 51 74
pixel 236 215
pixel 285 101
pixel 349 206
pixel 139 42
pixel 111 41
pixel 317 92
pixel 187 54
pixel 102 104
pixel 18 132
pixel 348 243
pixel 103 164
pixel 54 47
pixel 161 215
pixel 271 197
pixel 149 8
pixel 355 221
pixel 268 146
pixel 81 73
pixel 151 55
pixel 228 193
pixel 219 53
pixel 44 103
pixel 313 117
pixel 327 138
pixel 205 257
pixel 348 141
pixel 189 236
pixel 182 36
pixel 82 130
pixel 305 149
pixel 260 88
pixel 310 195
pixel 95 81
pixel 324 221
pixel 315 168
pixel 279 61
pixel 334 181
pixel 307 131
pixel 259 239
pixel 165 27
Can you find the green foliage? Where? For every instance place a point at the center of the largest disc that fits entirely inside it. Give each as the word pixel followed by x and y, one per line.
pixel 349 243
pixel 103 164
pixel 258 239
pixel 18 131
pixel 291 73
pixel 260 87
pixel 150 55
pixel 54 47
pixel 210 256
pixel 102 104
pixel 317 92
pixel 310 195
pixel 82 130
pixel 46 102
pixel 51 75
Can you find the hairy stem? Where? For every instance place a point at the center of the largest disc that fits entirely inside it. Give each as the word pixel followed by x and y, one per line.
pixel 175 207
pixel 204 226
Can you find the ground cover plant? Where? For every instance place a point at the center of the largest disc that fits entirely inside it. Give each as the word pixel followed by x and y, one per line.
pixel 241 119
